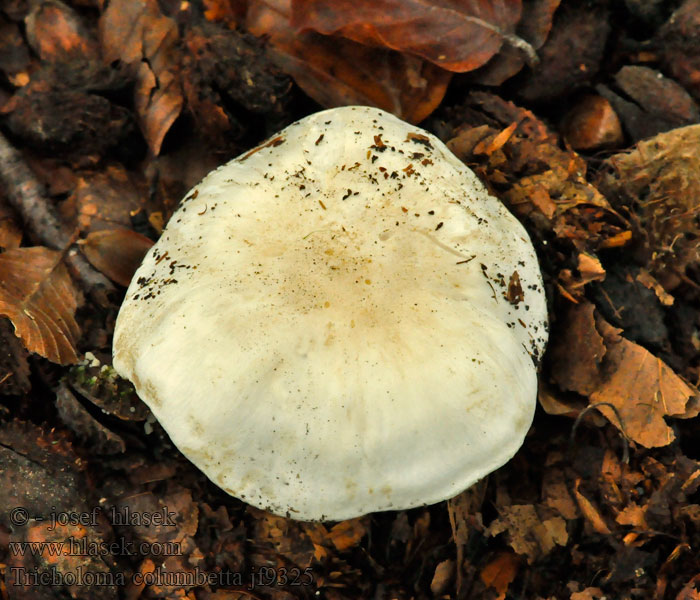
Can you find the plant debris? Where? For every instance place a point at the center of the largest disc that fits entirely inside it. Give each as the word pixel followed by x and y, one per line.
pixel 110 111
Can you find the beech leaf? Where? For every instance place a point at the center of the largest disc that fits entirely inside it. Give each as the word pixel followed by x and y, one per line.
pixel 138 34
pixel 590 357
pixel 37 295
pixel 458 35
pixel 116 253
pixel 339 72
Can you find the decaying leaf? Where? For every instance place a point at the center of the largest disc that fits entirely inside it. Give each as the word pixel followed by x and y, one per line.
pixel 678 41
pixel 658 184
pixel 101 385
pixel 442 578
pixel 37 295
pixel 117 253
pixel 105 199
pixel 590 593
pixel 459 36
pixel 590 357
pixel 643 388
pixel 534 27
pixel 56 32
pixel 77 418
pixel 225 69
pixel 528 534
pixel 500 572
pixel 337 72
pixel 576 352
pixel 347 534
pixel 538 180
pixel 138 34
pixel 590 511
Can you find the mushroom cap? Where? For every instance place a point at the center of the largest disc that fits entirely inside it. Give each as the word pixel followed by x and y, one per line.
pixel 340 321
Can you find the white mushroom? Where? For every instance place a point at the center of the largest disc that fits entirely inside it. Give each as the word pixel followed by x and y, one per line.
pixel 339 321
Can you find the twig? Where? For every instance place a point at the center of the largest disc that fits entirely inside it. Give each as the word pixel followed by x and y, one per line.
pixel 27 196
pixel 621 426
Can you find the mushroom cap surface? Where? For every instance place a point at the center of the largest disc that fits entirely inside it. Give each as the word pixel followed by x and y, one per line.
pixel 340 321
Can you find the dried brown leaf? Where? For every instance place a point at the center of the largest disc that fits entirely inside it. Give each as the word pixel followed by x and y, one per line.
pixel 577 350
pixel 104 199
pixel 347 534
pixel 649 282
pixel 138 34
pixel 590 593
pixel 539 181
pixel 528 534
pixel 443 576
pixel 38 296
pixel 117 253
pixel 643 388
pixel 458 36
pixel 56 32
pixel 501 572
pixel 534 27
pixel 590 512
pixel 590 357
pixel 79 420
pixel 338 72
pixel 658 185
pixel 556 495
pixel 633 515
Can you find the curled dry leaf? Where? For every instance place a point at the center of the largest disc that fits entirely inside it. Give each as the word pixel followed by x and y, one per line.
pixel 590 357
pixel 534 27
pixel 347 534
pixel 56 33
pixel 38 296
pixel 116 253
pixel 657 184
pixel 589 511
pixel 105 199
pixel 100 439
pixel 458 36
pixel 442 578
pixel 539 181
pixel 338 72
pixel 101 385
pixel 529 533
pixel 138 34
pixel 501 572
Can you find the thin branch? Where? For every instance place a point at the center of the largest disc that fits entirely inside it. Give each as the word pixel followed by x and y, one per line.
pixel 27 196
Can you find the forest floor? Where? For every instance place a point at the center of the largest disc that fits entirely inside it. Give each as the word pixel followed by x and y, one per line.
pixel 581 116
